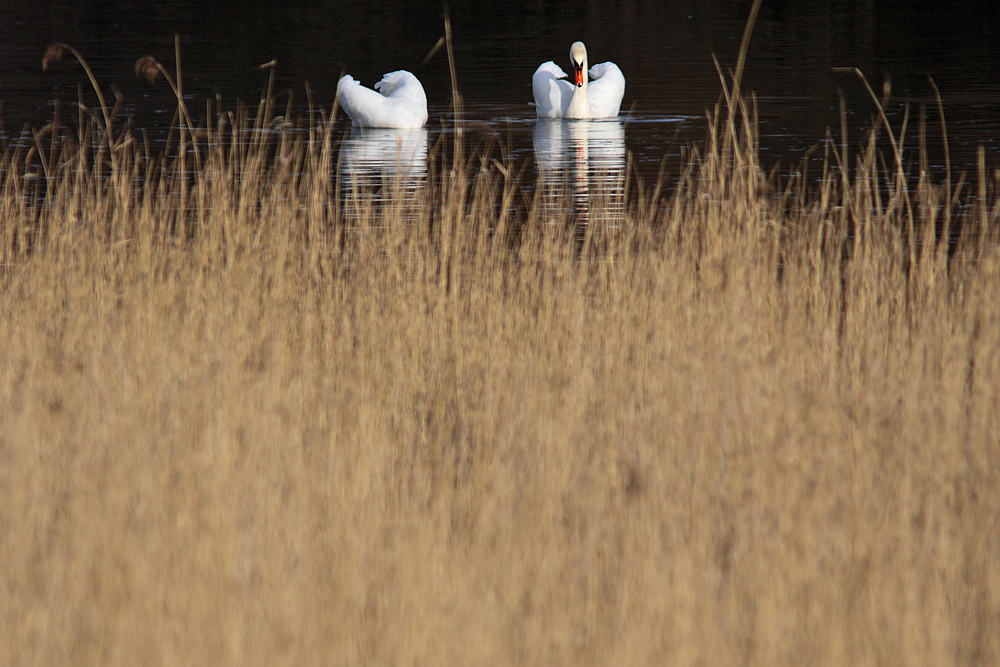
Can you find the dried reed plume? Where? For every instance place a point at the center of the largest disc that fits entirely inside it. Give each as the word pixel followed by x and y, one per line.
pixel 55 53
pixel 149 68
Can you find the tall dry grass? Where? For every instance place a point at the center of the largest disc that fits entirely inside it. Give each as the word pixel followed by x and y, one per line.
pixel 248 420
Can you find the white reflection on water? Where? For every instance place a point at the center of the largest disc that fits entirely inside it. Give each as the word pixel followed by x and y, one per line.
pixel 587 159
pixel 383 162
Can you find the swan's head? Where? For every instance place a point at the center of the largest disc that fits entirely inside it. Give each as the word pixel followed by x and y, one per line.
pixel 578 56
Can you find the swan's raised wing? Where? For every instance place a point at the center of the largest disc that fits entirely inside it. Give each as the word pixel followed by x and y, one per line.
pixel 402 85
pixel 400 102
pixel 605 90
pixel 551 90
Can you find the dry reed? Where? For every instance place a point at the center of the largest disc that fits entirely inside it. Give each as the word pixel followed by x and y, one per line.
pixel 248 420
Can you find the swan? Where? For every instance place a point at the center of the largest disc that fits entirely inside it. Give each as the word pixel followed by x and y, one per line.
pixel 600 96
pixel 399 103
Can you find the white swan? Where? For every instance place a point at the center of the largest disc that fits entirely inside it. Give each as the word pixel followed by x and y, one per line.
pixel 399 103
pixel 598 97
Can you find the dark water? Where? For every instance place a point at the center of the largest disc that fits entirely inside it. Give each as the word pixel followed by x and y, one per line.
pixel 665 49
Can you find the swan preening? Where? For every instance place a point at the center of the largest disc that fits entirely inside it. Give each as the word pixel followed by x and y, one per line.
pixel 398 101
pixel 597 92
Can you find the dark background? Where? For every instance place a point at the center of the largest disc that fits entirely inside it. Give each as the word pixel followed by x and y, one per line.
pixel 664 48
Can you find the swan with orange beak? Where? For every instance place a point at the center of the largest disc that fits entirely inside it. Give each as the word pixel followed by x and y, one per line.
pixel 596 92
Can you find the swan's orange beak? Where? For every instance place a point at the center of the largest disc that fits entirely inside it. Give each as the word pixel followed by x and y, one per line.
pixel 579 74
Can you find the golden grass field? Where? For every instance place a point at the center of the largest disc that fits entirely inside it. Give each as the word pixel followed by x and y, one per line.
pixel 248 421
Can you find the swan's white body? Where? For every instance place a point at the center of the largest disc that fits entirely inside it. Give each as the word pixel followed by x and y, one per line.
pixel 398 101
pixel 598 95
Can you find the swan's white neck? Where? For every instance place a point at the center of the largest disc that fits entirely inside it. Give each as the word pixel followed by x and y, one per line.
pixel 579 104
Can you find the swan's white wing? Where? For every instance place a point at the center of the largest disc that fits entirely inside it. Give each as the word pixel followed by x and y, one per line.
pixel 401 102
pixel 551 90
pixel 605 90
pixel 403 85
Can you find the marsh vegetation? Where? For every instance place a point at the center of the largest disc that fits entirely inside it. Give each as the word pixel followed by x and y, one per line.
pixel 251 419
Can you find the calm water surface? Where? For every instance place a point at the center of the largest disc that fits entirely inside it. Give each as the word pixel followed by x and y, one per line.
pixel 664 48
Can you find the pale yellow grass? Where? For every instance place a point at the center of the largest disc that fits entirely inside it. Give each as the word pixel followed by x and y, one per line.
pixel 272 430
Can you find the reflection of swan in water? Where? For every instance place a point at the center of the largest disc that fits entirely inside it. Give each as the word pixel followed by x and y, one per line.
pixel 563 144
pixel 373 158
pixel 588 158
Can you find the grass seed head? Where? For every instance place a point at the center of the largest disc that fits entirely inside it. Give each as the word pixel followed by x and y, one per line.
pixel 53 54
pixel 148 67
